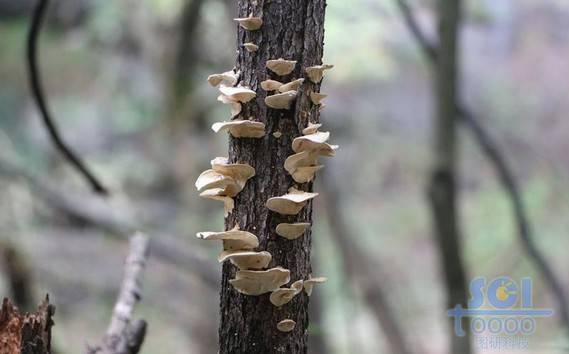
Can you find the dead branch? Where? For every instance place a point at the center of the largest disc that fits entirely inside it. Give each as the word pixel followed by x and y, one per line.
pixel 39 97
pixel 96 213
pixel 503 171
pixel 125 336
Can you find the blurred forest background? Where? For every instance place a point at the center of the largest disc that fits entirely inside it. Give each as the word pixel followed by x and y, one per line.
pixel 126 84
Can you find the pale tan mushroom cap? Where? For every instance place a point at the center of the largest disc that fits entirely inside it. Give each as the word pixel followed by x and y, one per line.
pixel 298 286
pixel 250 23
pixel 251 47
pixel 310 142
pixel 218 194
pixel 253 282
pixel 292 231
pixel 316 73
pixel 304 174
pixel 239 171
pixel 246 259
pixel 317 97
pixel 291 86
pixel 241 128
pixel 282 296
pixel 228 78
pixel 235 106
pixel 238 93
pixel 233 239
pixel 212 179
pixel 280 66
pixel 271 85
pixel 281 100
pixel 291 203
pixel 303 158
pixel 286 325
pixel 309 284
pixel 311 128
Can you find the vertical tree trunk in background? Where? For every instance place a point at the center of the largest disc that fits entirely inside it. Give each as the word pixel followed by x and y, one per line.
pixel 442 188
pixel 294 30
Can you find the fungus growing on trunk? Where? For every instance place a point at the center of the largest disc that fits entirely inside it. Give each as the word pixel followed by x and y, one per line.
pixel 283 296
pixel 291 86
pixel 255 282
pixel 286 325
pixel 291 203
pixel 271 85
pixel 250 23
pixel 280 66
pixel 235 106
pixel 281 100
pixel 241 128
pixel 251 47
pixel 309 284
pixel 317 97
pixel 311 128
pixel 316 73
pixel 292 231
pixel 233 240
pixel 238 94
pixel 246 259
pixel 217 194
pixel 228 78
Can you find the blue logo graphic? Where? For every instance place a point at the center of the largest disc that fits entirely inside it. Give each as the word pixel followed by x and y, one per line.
pixel 501 307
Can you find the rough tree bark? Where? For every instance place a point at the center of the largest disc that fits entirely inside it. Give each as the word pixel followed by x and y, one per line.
pixel 442 189
pixel 293 30
pixel 28 333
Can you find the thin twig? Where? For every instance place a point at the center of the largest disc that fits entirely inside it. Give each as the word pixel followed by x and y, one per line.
pixel 503 171
pixel 125 336
pixel 39 97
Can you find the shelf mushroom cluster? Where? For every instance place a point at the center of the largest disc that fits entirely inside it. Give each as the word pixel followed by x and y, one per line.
pixel 225 180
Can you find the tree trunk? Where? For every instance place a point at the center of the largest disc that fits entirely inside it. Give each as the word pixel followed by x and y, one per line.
pixel 293 30
pixel 442 188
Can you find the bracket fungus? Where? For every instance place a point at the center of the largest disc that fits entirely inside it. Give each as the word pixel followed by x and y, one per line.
pixel 283 296
pixel 250 23
pixel 245 259
pixel 281 66
pixel 238 93
pixel 316 73
pixel 291 86
pixel 217 194
pixel 317 97
pixel 251 47
pixel 233 240
pixel 303 165
pixel 281 100
pixel 224 181
pixel 255 282
pixel 286 325
pixel 271 85
pixel 309 284
pixel 292 231
pixel 291 203
pixel 241 128
pixel 235 106
pixel 228 78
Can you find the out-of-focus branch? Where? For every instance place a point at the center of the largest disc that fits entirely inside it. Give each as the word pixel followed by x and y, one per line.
pixel 125 336
pixel 39 97
pixel 95 214
pixel 503 171
pixel 357 268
